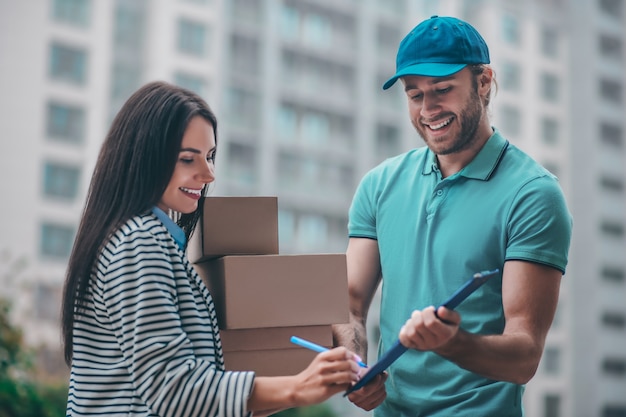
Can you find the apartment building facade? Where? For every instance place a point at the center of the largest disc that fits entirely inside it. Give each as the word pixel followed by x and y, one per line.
pixel 296 85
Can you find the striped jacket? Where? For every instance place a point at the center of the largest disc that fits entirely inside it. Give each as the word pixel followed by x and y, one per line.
pixel 147 343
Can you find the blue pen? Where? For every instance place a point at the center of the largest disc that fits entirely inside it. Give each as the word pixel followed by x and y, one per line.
pixel 314 347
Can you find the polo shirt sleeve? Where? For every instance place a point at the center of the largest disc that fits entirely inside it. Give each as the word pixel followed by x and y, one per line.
pixel 362 213
pixel 137 286
pixel 540 226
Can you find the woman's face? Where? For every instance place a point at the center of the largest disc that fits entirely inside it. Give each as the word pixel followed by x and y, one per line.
pixel 194 168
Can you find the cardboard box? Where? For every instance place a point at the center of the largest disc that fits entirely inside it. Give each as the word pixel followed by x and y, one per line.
pixel 274 337
pixel 235 226
pixel 277 290
pixel 269 351
pixel 273 362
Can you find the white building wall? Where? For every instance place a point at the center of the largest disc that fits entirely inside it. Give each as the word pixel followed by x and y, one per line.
pixel 578 335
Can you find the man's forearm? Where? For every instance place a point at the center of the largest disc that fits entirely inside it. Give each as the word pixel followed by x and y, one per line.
pixel 352 335
pixel 513 358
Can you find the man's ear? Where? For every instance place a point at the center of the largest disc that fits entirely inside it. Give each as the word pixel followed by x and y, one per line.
pixel 485 84
pixel 485 78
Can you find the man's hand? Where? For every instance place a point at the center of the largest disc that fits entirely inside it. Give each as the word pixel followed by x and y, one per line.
pixel 372 394
pixel 428 330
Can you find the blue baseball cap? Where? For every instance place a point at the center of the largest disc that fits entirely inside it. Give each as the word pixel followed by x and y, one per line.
pixel 438 47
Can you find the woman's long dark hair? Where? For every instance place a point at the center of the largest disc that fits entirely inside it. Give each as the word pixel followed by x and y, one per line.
pixel 133 169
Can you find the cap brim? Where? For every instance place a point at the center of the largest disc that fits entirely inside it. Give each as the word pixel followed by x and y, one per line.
pixel 429 69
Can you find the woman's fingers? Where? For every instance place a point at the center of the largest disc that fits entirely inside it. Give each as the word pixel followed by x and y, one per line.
pixel 329 373
pixel 339 366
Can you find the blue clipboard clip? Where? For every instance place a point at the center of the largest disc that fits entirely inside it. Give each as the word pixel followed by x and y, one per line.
pixel 398 349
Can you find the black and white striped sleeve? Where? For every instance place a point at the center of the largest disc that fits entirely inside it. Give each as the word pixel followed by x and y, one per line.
pixel 137 282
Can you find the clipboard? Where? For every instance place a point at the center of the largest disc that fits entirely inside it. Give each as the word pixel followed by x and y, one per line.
pixel 398 349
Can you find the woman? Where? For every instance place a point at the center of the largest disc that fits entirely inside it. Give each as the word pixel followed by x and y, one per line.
pixel 139 326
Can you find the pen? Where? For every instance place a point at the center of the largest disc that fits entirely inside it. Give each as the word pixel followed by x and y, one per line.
pixel 314 347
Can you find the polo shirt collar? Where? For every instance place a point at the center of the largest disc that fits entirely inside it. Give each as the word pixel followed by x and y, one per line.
pixel 177 233
pixel 483 164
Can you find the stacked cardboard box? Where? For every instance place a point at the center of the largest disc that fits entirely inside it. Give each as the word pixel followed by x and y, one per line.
pixel 263 298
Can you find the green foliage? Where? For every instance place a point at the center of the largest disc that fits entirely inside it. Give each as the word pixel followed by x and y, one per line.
pixel 10 341
pixel 321 410
pixel 20 395
pixel 27 399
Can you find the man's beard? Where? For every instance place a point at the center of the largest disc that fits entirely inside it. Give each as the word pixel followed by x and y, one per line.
pixel 469 120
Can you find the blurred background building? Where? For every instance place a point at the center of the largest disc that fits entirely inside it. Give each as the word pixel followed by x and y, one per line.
pixel 296 85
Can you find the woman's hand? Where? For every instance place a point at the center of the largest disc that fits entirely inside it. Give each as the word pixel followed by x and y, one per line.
pixel 329 373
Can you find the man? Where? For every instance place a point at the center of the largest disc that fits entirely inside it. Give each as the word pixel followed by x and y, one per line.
pixel 425 221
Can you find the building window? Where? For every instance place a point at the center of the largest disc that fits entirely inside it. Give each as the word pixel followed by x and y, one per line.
pixel 191 82
pixel 552 167
pixel 316 76
pixel 614 366
pixel 343 132
pixel 557 320
pixel 398 7
pixel 511 120
pixel 612 228
pixel 611 47
pixel 65 122
pixel 549 87
pixel 245 55
pixel 56 240
pixel 290 23
pixel 341 178
pixel 612 184
pixel 317 30
pixel 552 405
pixel 510 29
pixel 549 131
pixel 192 38
pixel 74 12
pixel 312 232
pixel 315 128
pixel 242 108
pixel 614 320
pixel 126 79
pixel 68 64
pixel 613 274
pixel 247 12
pixel 470 10
pixel 310 170
pixel 549 42
pixel 387 39
pixel 614 411
pixel 611 90
pixel 286 228
pixel 613 8
pixel 61 180
pixel 611 135
pixel 287 121
pixel 511 79
pixel 288 169
pixel 387 141
pixel 129 25
pixel 47 299
pixel 242 165
pixel 552 361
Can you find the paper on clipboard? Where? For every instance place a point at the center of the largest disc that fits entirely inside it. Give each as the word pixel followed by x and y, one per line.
pixel 398 349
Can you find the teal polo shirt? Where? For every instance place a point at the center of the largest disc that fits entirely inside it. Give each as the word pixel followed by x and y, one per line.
pixel 433 234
